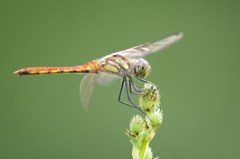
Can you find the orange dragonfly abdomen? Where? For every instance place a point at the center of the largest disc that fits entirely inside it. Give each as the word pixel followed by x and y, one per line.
pixel 90 67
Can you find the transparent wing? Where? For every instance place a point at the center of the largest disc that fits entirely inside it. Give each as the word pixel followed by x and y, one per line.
pixel 86 88
pixel 89 82
pixel 148 48
pixel 105 78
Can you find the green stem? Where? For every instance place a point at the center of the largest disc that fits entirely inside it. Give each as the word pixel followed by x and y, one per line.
pixel 143 149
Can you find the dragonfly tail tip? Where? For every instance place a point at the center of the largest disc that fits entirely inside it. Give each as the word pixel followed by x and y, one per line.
pixel 16 73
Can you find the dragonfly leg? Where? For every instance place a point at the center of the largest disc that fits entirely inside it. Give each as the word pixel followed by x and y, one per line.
pixel 145 81
pixel 120 95
pixel 129 98
pixel 130 87
pixel 131 82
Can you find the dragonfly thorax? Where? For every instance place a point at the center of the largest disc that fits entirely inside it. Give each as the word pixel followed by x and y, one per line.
pixel 141 68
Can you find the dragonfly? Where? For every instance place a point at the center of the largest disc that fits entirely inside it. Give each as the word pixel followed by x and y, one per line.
pixel 128 65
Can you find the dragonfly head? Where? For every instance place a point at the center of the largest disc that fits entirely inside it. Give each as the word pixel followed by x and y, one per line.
pixel 141 68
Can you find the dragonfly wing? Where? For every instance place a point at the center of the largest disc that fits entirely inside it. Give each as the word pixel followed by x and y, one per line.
pixel 105 78
pixel 89 82
pixel 148 48
pixel 86 88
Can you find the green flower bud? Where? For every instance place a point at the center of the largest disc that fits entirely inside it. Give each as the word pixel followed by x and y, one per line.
pixel 137 125
pixel 155 118
pixel 150 98
pixel 137 130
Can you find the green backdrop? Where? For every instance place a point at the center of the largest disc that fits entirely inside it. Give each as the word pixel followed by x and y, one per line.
pixel 41 116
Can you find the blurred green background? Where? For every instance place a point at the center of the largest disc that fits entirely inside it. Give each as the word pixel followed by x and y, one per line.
pixel 41 116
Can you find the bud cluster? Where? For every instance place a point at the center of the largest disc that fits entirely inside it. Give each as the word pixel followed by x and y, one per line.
pixel 142 130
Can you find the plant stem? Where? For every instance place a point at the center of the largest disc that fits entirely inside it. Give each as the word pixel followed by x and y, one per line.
pixel 143 149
